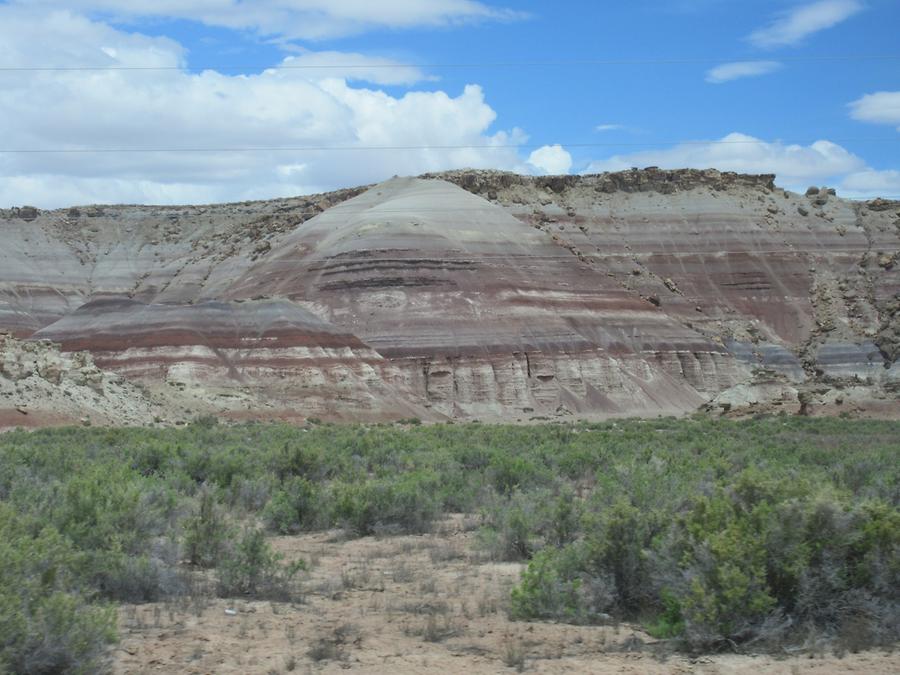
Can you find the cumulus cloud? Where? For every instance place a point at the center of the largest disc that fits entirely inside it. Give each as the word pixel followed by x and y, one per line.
pixel 292 19
pixel 738 69
pixel 871 183
pixel 551 159
pixel 157 111
pixel 792 27
pixel 882 107
pixel 796 166
pixel 286 131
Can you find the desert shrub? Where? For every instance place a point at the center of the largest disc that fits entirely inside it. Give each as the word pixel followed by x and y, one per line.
pixel 725 565
pixel 756 560
pixel 517 525
pixel 47 622
pixel 564 518
pixel 781 545
pixel 607 571
pixel 550 587
pixel 511 471
pixel 137 579
pixel 509 536
pixel 669 622
pixel 617 543
pixel 107 507
pixel 407 504
pixel 294 459
pixel 253 568
pixel 206 532
pixel 720 533
pixel 564 584
pixel 296 506
pixel 250 494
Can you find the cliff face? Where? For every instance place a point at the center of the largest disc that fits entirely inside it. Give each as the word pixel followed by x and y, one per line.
pixel 39 385
pixel 731 256
pixel 477 294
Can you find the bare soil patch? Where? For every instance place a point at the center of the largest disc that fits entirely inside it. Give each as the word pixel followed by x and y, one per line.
pixel 412 604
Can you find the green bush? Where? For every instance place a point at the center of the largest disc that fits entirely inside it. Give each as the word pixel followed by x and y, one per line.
pixel 294 507
pixel 206 532
pixel 407 504
pixel 606 571
pixel 47 622
pixel 517 525
pixel 105 506
pixel 137 578
pixel 551 588
pixel 253 568
pixel 751 560
pixel 509 472
pixel 709 531
pixel 669 623
pixel 512 527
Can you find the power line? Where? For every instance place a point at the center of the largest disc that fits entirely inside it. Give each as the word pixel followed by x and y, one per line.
pixel 464 65
pixel 354 148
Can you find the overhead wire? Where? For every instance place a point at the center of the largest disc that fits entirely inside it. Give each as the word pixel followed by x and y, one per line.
pixel 381 148
pixel 462 65
pixel 288 65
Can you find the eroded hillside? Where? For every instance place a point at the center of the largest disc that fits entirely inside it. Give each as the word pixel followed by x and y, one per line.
pixel 477 295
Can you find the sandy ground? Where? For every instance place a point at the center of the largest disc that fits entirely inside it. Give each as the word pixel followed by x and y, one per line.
pixel 411 604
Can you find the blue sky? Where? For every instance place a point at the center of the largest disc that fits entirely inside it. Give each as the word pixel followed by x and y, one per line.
pixel 776 86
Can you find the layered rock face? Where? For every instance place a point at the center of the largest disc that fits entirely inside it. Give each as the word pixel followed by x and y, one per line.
pixel 480 315
pixel 253 358
pixel 779 278
pixel 40 385
pixel 475 294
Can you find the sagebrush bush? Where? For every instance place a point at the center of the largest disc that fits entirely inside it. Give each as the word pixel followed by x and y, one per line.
pixel 517 525
pixel 711 532
pixel 47 621
pixel 253 568
pixel 758 557
pixel 137 579
pixel 206 532
pixel 294 507
pixel 407 504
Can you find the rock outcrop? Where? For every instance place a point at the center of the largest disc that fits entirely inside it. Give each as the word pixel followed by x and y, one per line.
pixel 475 294
pixel 255 358
pixel 40 385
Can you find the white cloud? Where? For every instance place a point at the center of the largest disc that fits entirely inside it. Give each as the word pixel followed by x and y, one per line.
pixel 796 166
pixel 791 27
pixel 882 107
pixel 551 159
pixel 738 69
pixel 175 109
pixel 292 19
pixel 350 66
pixel 609 127
pixel 871 183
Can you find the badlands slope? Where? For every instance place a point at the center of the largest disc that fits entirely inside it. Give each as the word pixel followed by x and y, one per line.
pixel 461 295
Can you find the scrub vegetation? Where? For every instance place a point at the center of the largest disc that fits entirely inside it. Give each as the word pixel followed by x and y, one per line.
pixel 711 534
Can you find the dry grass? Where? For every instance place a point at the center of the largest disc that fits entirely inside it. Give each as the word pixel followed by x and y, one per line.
pixel 408 604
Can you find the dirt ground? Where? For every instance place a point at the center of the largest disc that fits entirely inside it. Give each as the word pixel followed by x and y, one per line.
pixel 411 604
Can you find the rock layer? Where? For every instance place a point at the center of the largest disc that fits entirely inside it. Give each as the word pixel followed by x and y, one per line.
pixel 40 385
pixel 264 357
pixel 473 294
